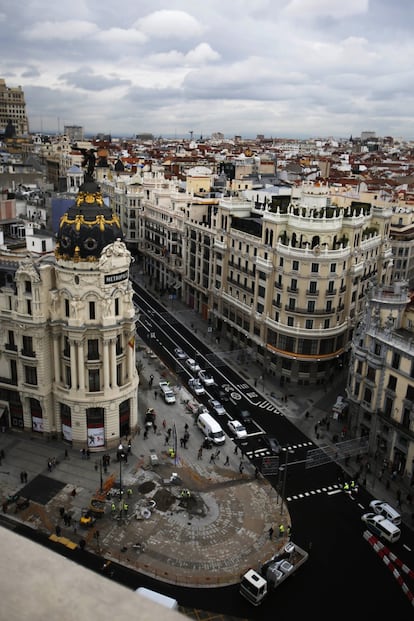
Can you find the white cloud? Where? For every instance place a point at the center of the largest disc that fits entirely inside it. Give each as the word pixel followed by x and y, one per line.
pixel 169 24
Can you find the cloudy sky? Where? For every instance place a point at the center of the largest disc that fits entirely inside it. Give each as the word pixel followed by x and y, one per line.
pixel 287 68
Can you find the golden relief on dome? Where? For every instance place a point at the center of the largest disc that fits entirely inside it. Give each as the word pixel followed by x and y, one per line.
pixel 79 221
pixel 90 198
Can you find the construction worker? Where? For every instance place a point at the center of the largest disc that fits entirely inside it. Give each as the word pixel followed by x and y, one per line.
pixel 125 507
pixel 113 507
pixel 129 491
pixel 346 487
pixel 281 530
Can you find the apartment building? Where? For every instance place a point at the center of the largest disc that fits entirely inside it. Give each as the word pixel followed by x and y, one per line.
pixel 285 279
pixel 13 109
pixel 67 335
pixel 381 377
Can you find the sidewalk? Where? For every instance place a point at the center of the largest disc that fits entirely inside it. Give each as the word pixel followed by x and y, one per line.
pixel 314 400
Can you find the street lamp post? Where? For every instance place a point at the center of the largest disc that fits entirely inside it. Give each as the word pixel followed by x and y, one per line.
pixel 284 468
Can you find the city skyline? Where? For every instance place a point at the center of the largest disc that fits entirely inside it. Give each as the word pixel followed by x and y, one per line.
pixel 287 68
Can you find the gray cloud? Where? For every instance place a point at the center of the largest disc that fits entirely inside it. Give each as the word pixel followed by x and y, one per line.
pixel 278 67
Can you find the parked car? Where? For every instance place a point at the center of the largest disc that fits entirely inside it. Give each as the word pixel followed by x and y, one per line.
pixel 192 365
pixel 237 428
pixel 180 354
pixel 206 378
pixel 196 386
pixel 216 407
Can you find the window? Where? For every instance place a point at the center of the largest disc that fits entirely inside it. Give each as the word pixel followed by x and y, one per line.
pixel 281 262
pixel 377 350
pixel 29 307
pixel 30 375
pixel 290 321
pixel 312 286
pixel 329 306
pixel 371 374
pixel 395 360
pixel 326 324
pixel 392 383
pixel 261 292
pixel 260 308
pixel 309 324
pixel 28 286
pixel 367 395
pixel 294 284
pixel 118 346
pixel 332 268
pixel 311 306
pixel 295 266
pixel 116 306
pixel 262 275
pixel 27 346
pixel 94 384
pixel 93 349
pixel 292 303
pixel 92 310
pixel 67 308
pixel 119 374
pixel 68 377
pixel 331 286
pixel 359 367
pixel 315 268
pixel 66 347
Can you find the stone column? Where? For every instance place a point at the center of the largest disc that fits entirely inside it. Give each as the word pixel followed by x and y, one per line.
pixel 81 365
pixel 73 372
pixel 105 365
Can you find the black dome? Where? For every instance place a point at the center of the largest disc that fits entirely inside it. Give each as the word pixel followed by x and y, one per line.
pixel 87 227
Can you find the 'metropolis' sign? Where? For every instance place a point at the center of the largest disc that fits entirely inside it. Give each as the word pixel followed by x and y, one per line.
pixel 111 278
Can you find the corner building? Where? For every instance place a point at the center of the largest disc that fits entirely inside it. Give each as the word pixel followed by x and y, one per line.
pixel 68 333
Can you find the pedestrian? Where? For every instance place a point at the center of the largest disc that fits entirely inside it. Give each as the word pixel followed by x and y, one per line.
pixel 212 458
pixel 256 473
pixel 129 446
pixel 235 449
pixel 129 492
pixel 154 426
pixel 62 511
pixel 164 424
pixel 200 453
pixel 66 453
pixel 281 530
pixel 146 433
pixel 289 530
pixel 22 477
pixel 88 454
pixel 58 530
pixel 25 476
pixel 182 442
pixel 227 462
pixel 69 519
pixel 151 379
pixel 155 394
pixel 169 432
pixel 49 465
pixel 186 427
pixel 241 468
pixel 271 531
pixel 167 439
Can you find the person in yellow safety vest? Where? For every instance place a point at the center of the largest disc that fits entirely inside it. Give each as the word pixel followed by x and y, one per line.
pixel 113 507
pixel 126 507
pixel 346 487
pixel 171 452
pixel 281 530
pixel 129 492
pixel 352 484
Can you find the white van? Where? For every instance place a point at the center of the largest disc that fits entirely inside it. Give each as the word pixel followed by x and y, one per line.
pixel 159 598
pixel 167 392
pixel 383 508
pixel 211 429
pixel 380 526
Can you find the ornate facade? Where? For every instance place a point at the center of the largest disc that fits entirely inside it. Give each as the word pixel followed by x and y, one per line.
pixel 67 367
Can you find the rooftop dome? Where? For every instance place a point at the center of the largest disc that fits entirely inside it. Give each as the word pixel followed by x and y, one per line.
pixel 88 226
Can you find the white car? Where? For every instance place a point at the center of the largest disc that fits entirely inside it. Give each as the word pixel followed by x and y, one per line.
pixel 192 365
pixel 380 507
pixel 180 354
pixel 196 386
pixel 206 378
pixel 216 407
pixel 237 429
